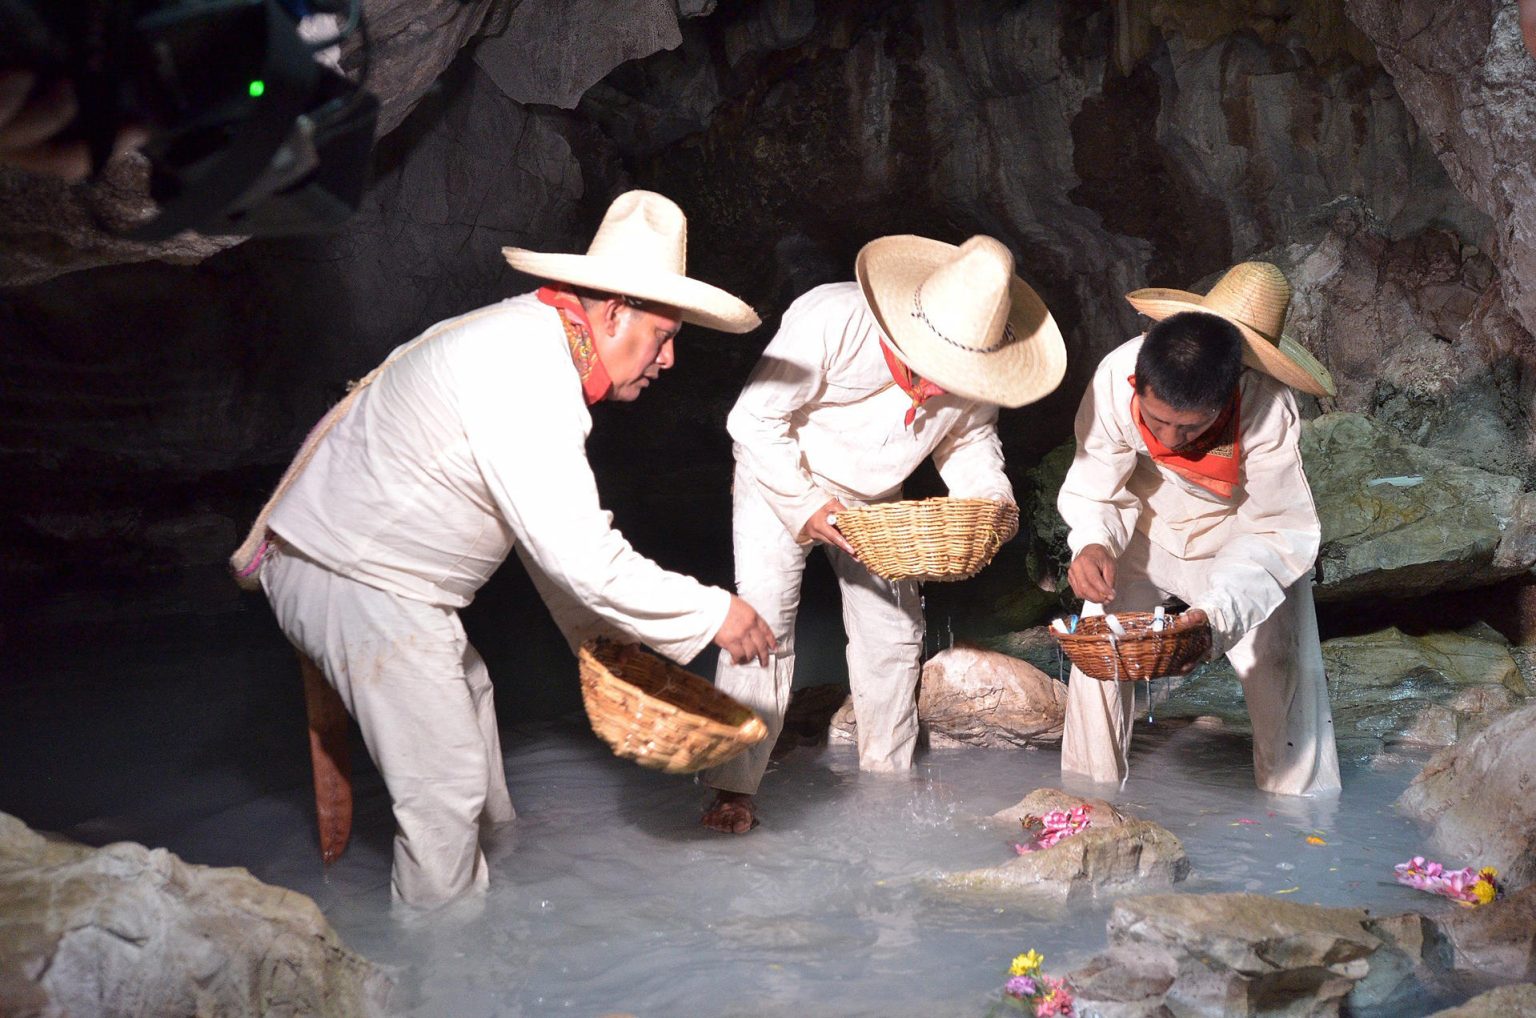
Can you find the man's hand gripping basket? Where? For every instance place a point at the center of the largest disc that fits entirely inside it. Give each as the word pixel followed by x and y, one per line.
pixel 659 715
pixel 929 539
pixel 1142 653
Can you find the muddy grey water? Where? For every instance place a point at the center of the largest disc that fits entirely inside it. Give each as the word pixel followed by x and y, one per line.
pixel 606 894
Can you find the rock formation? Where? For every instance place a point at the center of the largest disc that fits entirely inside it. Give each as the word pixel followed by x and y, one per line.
pixel 131 930
pixel 1477 798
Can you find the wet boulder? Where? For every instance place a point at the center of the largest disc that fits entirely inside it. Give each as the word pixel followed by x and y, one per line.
pixel 1480 799
pixel 1386 688
pixel 1493 943
pixel 127 929
pixel 1503 1002
pixel 1432 690
pixel 1114 855
pixel 1248 954
pixel 973 697
pixel 1398 518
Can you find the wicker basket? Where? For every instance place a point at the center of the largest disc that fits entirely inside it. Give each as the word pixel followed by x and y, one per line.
pixel 1141 653
pixel 659 715
pixel 931 539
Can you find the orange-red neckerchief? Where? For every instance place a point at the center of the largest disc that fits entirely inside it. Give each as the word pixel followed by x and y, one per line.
pixel 595 382
pixel 920 390
pixel 1213 460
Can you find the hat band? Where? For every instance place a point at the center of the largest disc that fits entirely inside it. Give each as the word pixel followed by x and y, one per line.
pixel 920 315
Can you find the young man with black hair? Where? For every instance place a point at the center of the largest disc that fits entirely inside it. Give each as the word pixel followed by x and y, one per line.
pixel 1188 481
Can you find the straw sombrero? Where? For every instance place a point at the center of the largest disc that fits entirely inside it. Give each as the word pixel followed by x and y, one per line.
pixel 959 317
pixel 1252 296
pixel 640 250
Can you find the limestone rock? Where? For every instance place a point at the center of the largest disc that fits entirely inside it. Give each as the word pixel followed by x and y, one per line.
pixel 1432 690
pixel 1463 72
pixel 973 697
pixel 1043 800
pixel 969 696
pixel 1480 799
pixel 1417 336
pixel 1517 1001
pixel 1493 943
pixel 1385 688
pixel 131 930
pixel 552 51
pixel 1399 518
pixel 411 43
pixel 1245 954
pixel 1115 855
pixel 48 227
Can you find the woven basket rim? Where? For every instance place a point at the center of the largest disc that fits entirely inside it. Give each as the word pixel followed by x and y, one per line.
pixel 1180 628
pixel 937 502
pixel 1104 656
pixel 940 538
pixel 602 650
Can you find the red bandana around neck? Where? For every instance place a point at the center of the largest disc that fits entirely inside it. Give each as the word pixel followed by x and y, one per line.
pixel 920 389
pixel 595 382
pixel 1213 460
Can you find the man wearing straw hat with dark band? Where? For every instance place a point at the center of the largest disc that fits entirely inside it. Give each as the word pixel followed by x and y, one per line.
pixel 1188 481
pixel 862 383
pixel 466 442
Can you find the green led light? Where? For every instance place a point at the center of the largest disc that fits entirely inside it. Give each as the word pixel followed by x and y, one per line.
pixel 257 88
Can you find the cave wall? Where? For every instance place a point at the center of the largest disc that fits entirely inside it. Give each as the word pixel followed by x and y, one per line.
pixel 147 406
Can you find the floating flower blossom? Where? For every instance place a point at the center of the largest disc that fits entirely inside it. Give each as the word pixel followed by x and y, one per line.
pixel 1055 826
pixel 1467 886
pixel 1055 1000
pixel 1020 987
pixel 1027 964
pixel 1030 990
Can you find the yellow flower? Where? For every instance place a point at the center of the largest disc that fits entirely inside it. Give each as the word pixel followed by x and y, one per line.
pixel 1026 964
pixel 1483 891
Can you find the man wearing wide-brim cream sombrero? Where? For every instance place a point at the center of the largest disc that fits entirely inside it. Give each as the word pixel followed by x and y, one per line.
pixel 863 382
pixel 1187 481
pixel 468 441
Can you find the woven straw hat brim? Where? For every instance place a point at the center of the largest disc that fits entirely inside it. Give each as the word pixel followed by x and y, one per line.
pixel 1283 359
pixel 1014 374
pixel 700 303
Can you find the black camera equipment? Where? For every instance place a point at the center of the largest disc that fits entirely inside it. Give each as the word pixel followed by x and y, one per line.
pixel 248 132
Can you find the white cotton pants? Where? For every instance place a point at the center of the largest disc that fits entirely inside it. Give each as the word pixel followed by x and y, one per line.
pixel 422 697
pixel 884 622
pixel 1279 663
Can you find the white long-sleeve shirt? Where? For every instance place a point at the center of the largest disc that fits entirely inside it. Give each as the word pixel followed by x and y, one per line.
pixel 1259 542
pixel 820 417
pixel 470 442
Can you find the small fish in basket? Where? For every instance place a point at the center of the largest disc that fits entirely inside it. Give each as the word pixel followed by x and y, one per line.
pixel 1131 646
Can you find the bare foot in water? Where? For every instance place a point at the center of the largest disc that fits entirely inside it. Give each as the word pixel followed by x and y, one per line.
pixel 730 813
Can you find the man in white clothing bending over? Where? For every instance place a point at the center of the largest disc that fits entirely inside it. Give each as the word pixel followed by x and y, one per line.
pixel 862 383
pixel 468 441
pixel 1188 481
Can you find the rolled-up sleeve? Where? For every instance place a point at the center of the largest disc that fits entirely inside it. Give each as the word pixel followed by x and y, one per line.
pixel 530 445
pixel 1094 501
pixel 1274 538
